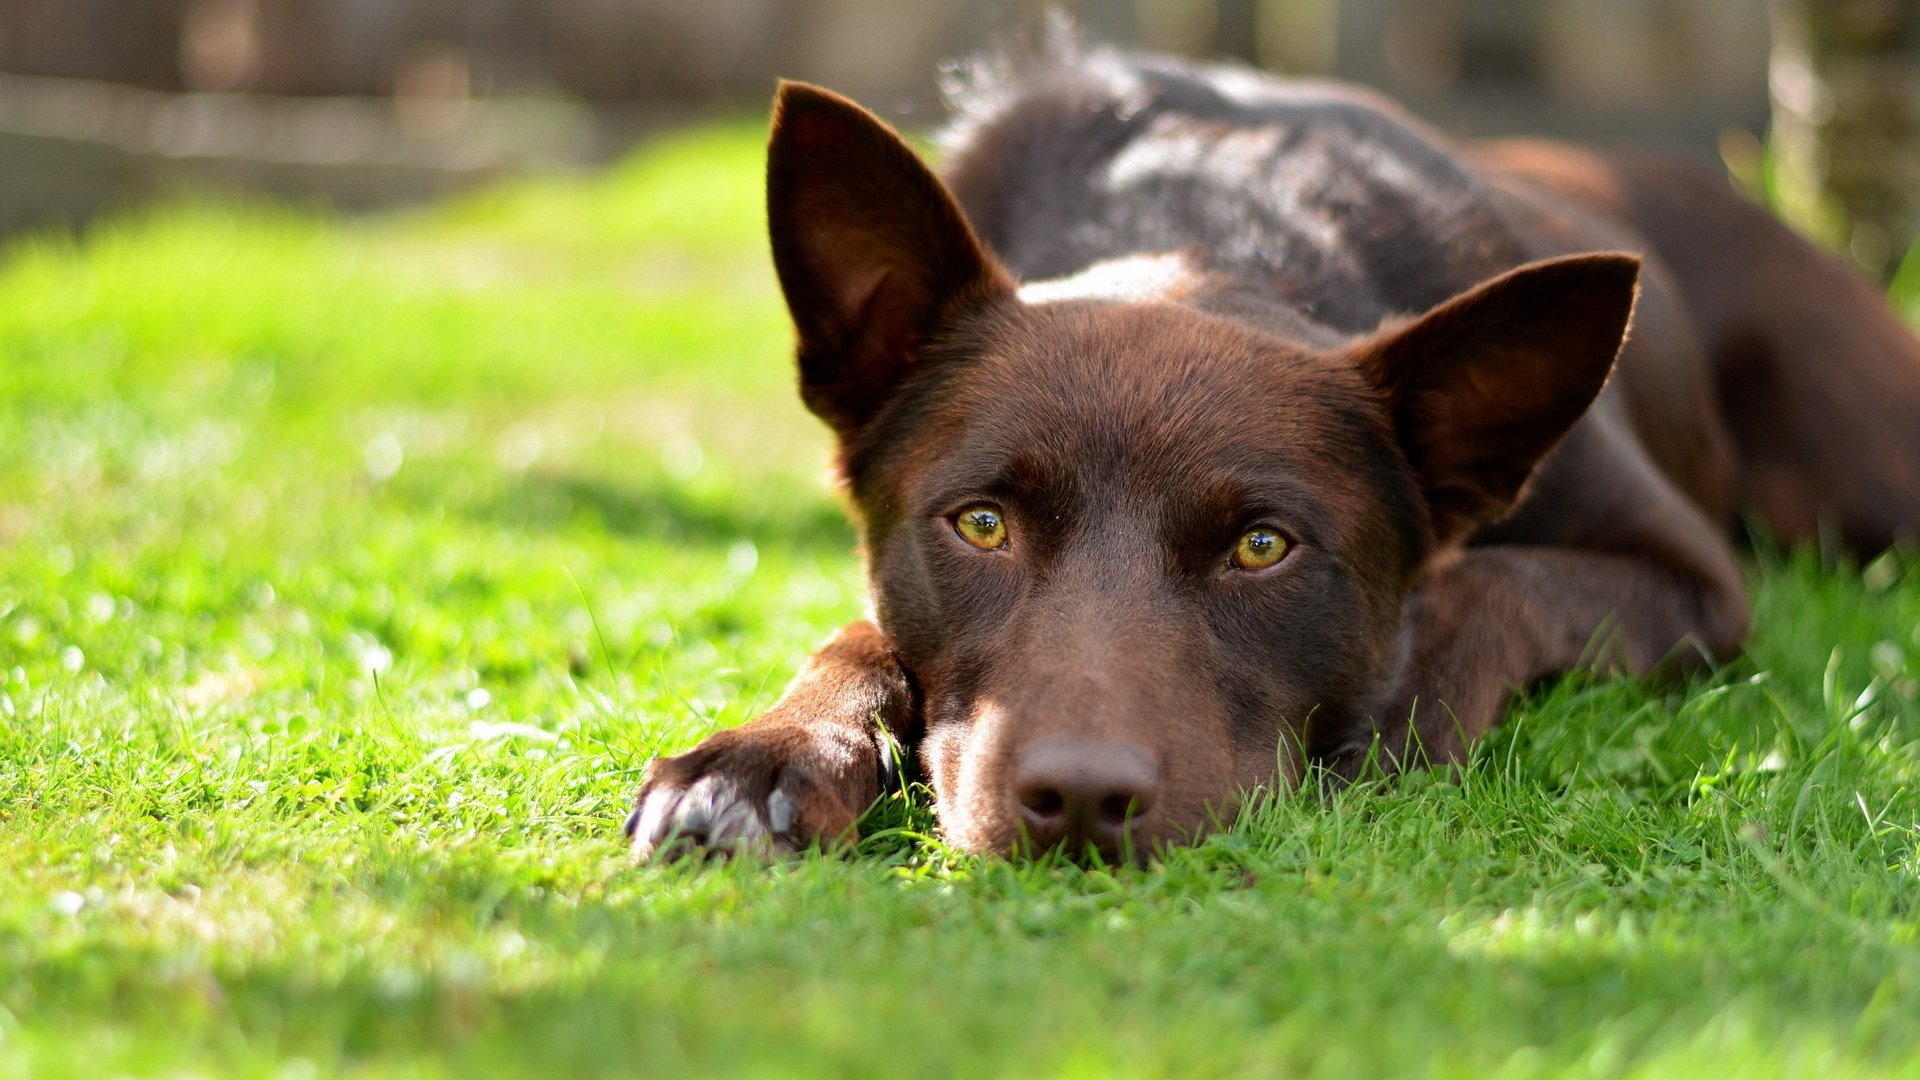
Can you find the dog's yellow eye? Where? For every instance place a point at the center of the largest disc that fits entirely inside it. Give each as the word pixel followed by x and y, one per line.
pixel 1259 549
pixel 981 526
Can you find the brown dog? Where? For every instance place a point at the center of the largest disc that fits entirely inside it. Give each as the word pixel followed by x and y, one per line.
pixel 1297 442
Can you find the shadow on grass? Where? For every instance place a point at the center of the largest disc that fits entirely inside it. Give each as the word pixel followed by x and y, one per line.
pixel 667 512
pixel 718 999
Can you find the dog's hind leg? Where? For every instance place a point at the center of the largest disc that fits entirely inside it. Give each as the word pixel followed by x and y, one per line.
pixel 1818 382
pixel 801 774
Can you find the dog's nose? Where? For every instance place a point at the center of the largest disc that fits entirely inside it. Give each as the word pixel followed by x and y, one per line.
pixel 1076 793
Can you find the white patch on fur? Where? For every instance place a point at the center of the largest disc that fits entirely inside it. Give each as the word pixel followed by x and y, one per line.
pixel 781 810
pixel 712 815
pixel 1163 275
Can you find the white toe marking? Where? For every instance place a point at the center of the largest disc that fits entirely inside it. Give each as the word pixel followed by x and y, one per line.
pixel 647 833
pixel 780 811
pixel 734 821
pixel 698 806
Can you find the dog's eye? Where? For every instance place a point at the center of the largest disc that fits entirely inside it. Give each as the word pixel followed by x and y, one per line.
pixel 981 526
pixel 1259 549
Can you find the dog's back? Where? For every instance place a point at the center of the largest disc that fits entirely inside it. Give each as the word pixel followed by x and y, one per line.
pixel 1765 376
pixel 1336 199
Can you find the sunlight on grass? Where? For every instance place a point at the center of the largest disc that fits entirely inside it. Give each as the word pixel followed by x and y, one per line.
pixel 354 571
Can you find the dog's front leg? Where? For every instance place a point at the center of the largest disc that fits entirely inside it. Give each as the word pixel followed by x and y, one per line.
pixel 1499 618
pixel 803 773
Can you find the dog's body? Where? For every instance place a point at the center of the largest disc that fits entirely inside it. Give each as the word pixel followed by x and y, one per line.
pixel 1292 444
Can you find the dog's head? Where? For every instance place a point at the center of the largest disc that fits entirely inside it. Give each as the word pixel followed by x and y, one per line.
pixel 1129 550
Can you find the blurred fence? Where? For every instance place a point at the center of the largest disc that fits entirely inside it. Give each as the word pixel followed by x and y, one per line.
pixel 1594 55
pixel 1669 71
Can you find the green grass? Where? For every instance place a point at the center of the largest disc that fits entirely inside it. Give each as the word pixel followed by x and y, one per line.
pixel 351 573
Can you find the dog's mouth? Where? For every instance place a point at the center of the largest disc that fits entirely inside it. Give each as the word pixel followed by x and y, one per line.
pixel 1136 842
pixel 1072 776
pixel 1109 826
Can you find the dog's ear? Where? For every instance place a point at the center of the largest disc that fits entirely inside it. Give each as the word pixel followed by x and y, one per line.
pixel 872 250
pixel 1483 386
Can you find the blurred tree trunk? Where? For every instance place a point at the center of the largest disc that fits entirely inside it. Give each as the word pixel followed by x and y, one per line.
pixel 1236 30
pixel 1846 124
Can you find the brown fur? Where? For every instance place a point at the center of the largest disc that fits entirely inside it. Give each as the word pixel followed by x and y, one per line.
pixel 1410 364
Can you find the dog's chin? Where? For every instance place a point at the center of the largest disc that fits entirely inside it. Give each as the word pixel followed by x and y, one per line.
pixel 1005 839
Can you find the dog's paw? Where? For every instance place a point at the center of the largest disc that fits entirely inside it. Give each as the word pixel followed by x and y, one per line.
pixel 757 793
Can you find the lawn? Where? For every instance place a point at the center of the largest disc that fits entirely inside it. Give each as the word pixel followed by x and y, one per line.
pixel 350 574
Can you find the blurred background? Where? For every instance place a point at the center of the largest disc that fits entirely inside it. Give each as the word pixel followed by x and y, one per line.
pixel 365 103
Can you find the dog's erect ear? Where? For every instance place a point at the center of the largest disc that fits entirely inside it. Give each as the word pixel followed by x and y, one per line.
pixel 1481 387
pixel 872 250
